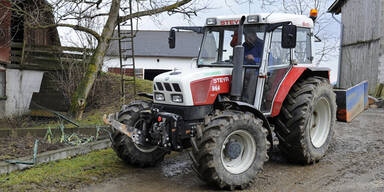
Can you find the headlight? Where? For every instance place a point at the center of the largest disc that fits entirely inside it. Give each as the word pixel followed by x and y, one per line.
pixel 211 21
pixel 177 98
pixel 159 97
pixel 253 19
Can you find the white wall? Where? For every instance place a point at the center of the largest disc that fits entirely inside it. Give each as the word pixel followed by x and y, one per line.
pixel 21 84
pixel 153 63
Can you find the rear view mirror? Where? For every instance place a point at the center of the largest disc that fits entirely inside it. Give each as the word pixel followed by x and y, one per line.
pixel 172 39
pixel 288 39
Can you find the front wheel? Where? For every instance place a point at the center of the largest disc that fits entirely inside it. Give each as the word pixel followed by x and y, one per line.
pixel 126 149
pixel 232 149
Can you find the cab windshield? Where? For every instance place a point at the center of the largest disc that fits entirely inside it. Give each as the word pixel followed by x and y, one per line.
pixel 218 44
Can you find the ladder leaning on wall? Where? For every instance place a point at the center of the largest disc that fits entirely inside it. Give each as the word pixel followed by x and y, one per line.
pixel 126 54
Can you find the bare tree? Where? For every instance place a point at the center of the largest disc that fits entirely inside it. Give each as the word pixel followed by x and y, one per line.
pixel 106 14
pixel 328 46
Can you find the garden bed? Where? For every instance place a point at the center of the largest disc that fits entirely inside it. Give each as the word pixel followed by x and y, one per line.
pixel 15 147
pixel 16 143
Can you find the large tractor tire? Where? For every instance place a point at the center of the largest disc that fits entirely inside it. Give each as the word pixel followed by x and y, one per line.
pixel 306 120
pixel 126 149
pixel 232 149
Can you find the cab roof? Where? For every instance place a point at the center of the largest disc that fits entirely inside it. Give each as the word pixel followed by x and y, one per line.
pixel 264 18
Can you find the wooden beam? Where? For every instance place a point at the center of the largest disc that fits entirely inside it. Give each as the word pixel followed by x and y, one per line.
pixel 379 90
pixel 58 48
pixel 16 44
pixel 382 91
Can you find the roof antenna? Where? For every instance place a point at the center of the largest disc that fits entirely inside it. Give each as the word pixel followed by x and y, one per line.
pixel 249 7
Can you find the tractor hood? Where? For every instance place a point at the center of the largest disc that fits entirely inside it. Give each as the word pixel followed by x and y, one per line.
pixel 199 86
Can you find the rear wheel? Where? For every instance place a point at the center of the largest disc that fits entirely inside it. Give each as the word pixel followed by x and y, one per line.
pixel 305 124
pixel 126 149
pixel 231 150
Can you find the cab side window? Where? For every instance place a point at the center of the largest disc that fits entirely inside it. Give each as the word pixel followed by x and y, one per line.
pixel 278 55
pixel 303 50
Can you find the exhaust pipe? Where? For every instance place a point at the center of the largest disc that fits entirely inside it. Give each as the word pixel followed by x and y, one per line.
pixel 238 60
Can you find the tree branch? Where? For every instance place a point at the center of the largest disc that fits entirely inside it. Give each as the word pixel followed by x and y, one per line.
pixel 154 11
pixel 85 17
pixel 75 27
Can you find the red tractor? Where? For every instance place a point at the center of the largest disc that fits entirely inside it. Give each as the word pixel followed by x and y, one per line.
pixel 254 78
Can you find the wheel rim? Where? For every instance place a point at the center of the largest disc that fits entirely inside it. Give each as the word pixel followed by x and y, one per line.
pixel 320 123
pixel 246 156
pixel 140 124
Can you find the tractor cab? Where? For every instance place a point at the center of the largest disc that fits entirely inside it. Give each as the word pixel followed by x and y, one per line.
pixel 261 54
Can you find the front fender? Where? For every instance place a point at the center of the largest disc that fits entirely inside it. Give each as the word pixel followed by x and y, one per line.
pixel 238 105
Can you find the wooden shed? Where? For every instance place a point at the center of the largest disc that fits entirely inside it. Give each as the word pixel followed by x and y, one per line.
pixel 362 51
pixel 28 55
pixel 17 36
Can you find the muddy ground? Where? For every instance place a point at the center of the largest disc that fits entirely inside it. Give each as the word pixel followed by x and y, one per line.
pixel 355 162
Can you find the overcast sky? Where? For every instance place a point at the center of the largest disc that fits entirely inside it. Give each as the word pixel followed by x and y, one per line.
pixel 219 8
pixel 222 7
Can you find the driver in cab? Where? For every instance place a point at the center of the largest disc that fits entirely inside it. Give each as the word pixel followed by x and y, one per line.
pixel 253 47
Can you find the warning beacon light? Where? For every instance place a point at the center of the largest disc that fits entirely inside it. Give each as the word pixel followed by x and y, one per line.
pixel 313 14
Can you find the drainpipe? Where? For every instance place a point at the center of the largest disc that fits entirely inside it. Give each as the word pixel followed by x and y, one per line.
pixel 340 50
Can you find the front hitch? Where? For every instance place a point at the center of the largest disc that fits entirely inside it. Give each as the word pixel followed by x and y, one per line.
pixel 127 130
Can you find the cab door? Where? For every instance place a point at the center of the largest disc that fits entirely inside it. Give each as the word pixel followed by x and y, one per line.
pixel 278 65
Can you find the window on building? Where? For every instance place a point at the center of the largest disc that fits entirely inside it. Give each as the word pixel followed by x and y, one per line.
pixel 2 83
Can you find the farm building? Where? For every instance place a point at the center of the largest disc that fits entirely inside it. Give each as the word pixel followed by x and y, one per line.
pixel 153 55
pixel 20 77
pixel 28 57
pixel 362 50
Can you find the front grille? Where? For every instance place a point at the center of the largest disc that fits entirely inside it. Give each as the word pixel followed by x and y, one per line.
pixel 159 86
pixel 176 87
pixel 167 87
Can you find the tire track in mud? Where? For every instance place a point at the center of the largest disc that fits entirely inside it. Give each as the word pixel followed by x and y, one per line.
pixel 357 155
pixel 360 171
pixel 355 162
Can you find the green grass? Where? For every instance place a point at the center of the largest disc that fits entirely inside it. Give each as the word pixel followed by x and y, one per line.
pixel 91 117
pixel 142 85
pixel 65 174
pixel 69 173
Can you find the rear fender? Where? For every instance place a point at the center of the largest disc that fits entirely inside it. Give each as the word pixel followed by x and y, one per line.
pixel 318 71
pixel 250 108
pixel 293 75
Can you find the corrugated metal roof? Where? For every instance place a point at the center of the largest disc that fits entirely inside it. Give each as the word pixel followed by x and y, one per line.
pixel 155 43
pixel 336 6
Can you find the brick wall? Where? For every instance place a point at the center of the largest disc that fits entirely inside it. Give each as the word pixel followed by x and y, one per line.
pixel 126 71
